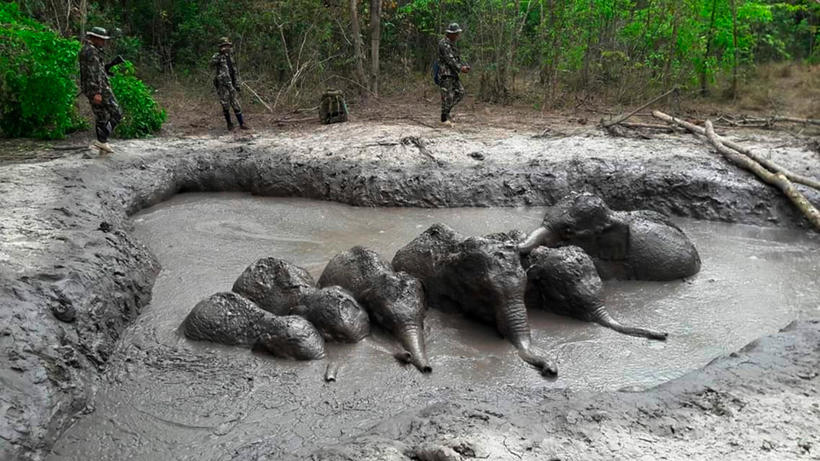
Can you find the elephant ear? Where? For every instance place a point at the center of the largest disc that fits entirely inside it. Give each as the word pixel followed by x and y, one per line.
pixel 613 242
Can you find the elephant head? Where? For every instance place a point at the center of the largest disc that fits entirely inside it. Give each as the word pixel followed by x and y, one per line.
pixel 640 244
pixel 484 279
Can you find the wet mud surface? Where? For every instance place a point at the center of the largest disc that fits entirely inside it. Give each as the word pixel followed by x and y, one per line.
pixel 754 281
pixel 74 276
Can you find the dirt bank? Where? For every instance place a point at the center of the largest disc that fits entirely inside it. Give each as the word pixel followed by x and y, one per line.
pixel 758 403
pixel 73 277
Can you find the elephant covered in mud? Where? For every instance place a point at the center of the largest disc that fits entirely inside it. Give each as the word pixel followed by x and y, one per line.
pixel 565 281
pixel 274 284
pixel 228 318
pixel 479 277
pixel 393 300
pixel 335 313
pixel 642 245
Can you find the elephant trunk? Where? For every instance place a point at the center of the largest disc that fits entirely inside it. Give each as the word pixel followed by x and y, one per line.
pixel 412 338
pixel 514 325
pixel 538 237
pixel 602 317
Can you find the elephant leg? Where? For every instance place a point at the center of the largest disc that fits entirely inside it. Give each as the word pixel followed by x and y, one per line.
pixel 602 317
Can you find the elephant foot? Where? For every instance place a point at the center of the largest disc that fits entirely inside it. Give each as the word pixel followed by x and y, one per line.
pixel 544 366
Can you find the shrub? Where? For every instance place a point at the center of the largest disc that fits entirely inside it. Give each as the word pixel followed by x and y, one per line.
pixel 141 114
pixel 37 69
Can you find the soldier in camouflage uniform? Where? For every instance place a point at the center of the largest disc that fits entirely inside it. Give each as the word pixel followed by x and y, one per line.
pixel 94 84
pixel 449 67
pixel 226 82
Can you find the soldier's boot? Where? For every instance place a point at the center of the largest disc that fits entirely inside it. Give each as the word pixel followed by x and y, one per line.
pixel 241 121
pixel 228 119
pixel 104 147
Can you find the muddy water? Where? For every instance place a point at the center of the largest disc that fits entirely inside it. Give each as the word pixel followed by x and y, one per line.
pixel 166 397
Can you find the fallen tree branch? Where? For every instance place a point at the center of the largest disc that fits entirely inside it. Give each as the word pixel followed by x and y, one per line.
pixel 258 97
pixel 648 126
pixel 69 147
pixel 621 118
pixel 295 120
pixel 743 150
pixel 422 147
pixel 777 118
pixel 776 179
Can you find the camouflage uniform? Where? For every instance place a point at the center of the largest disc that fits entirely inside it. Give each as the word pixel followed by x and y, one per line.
pixel 93 81
pixel 226 81
pixel 449 66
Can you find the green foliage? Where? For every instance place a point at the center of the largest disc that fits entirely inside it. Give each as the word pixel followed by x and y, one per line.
pixel 37 88
pixel 617 48
pixel 142 116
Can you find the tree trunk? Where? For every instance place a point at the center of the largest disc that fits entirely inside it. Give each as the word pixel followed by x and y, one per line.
pixel 703 89
pixel 733 4
pixel 375 42
pixel 358 58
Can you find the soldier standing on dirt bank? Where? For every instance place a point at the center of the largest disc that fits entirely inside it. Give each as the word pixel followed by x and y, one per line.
pixel 226 81
pixel 449 66
pixel 94 84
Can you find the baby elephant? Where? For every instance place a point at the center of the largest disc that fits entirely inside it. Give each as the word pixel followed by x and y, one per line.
pixel 481 278
pixel 335 313
pixel 228 318
pixel 393 300
pixel 642 245
pixel 565 281
pixel 274 284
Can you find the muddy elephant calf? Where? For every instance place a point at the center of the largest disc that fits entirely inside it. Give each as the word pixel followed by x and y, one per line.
pixel 228 318
pixel 565 281
pixel 393 300
pixel 479 277
pixel 642 245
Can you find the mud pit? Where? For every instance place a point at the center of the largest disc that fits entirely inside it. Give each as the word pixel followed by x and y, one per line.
pixel 75 279
pixel 174 398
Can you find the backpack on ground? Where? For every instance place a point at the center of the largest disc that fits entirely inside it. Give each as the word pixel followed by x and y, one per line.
pixel 332 108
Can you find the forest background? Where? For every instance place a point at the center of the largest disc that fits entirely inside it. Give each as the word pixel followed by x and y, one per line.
pixel 544 54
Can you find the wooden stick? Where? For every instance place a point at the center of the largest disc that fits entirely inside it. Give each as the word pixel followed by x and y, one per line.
pixel 258 97
pixel 421 145
pixel 777 118
pixel 743 150
pixel 649 126
pixel 621 118
pixel 776 179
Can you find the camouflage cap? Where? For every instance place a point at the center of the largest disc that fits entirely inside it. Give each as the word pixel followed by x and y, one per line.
pixel 453 28
pixel 224 41
pixel 98 32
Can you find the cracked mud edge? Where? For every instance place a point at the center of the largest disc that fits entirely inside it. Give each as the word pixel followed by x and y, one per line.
pixel 73 277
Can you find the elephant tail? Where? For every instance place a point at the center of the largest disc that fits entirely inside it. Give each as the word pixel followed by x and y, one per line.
pixel 602 317
pixel 412 338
